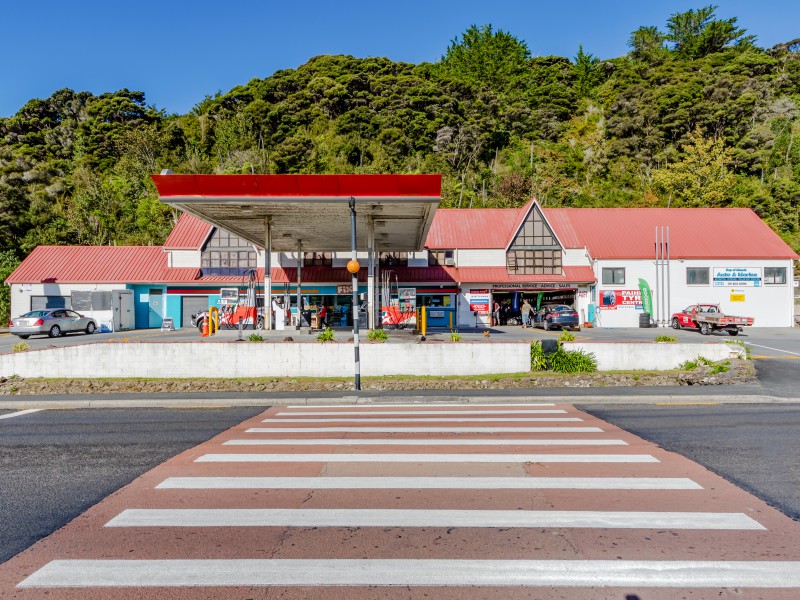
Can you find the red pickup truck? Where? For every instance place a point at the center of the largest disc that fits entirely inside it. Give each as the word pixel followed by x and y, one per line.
pixel 708 318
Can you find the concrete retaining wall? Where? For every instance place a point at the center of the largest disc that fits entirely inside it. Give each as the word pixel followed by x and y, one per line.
pixel 152 359
pixel 626 356
pixel 266 359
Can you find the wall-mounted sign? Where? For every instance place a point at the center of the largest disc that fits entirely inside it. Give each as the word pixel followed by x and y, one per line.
pixel 614 299
pixel 737 296
pixel 533 286
pixel 228 296
pixel 479 301
pixel 737 276
pixel 344 289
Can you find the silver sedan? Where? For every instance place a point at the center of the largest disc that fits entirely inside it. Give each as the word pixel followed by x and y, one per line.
pixel 53 322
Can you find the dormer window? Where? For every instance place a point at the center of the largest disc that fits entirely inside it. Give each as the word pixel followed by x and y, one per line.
pixel 441 258
pixel 535 249
pixel 227 254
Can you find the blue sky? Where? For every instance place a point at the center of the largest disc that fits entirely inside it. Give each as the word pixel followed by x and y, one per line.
pixel 177 52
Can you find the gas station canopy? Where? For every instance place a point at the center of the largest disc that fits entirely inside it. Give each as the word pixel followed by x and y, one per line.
pixel 310 209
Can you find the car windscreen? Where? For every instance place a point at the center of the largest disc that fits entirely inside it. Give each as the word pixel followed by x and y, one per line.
pixel 36 313
pixel 561 308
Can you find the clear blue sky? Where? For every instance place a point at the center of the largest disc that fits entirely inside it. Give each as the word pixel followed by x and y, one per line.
pixel 178 51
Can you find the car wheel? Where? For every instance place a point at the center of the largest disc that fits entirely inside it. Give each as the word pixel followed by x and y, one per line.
pixel 733 332
pixel 675 323
pixel 546 325
pixel 260 323
pixel 23 337
pixel 705 328
pixel 90 328
pixel 55 331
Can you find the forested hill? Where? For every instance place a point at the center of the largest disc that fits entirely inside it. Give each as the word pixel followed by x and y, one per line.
pixel 696 114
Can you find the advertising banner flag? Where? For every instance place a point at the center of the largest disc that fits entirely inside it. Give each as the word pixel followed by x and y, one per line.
pixel 539 297
pixel 647 296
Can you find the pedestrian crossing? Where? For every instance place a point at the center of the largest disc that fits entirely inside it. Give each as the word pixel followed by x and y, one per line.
pixel 409 495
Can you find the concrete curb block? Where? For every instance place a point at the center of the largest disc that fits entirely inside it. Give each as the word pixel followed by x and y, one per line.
pixel 21 403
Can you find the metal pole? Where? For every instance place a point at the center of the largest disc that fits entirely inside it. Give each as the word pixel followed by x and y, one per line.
pixel 267 275
pixel 668 311
pixel 355 291
pixel 656 304
pixel 370 272
pixel 299 282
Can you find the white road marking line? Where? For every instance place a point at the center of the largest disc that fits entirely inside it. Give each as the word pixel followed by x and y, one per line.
pixel 429 483
pixel 627 574
pixel 398 429
pixel 19 413
pixel 416 405
pixel 423 442
pixel 775 349
pixel 434 420
pixel 372 413
pixel 430 458
pixel 376 517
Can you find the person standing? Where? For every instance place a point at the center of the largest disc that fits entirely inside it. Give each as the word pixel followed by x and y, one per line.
pixel 526 313
pixel 496 312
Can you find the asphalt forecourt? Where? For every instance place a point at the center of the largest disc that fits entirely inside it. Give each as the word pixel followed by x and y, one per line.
pixel 407 501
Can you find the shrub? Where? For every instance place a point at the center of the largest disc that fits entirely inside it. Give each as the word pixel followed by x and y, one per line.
pixel 254 337
pixel 377 335
pixel 720 367
pixel 326 335
pixel 538 360
pixel 572 361
pixel 455 336
pixel 20 347
pixel 566 336
pixel 743 345
pixel 666 338
pixel 688 365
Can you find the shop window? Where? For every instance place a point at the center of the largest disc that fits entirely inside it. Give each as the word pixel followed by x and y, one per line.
pixel 227 254
pixel 613 275
pixel 394 259
pixel 774 275
pixel 533 262
pixel 441 258
pixel 697 276
pixel 318 259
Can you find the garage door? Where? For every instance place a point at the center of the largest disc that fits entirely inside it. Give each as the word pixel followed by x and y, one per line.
pixel 191 305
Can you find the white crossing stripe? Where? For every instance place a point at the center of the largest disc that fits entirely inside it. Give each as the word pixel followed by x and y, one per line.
pixel 434 420
pixel 430 458
pixel 398 429
pixel 339 413
pixel 376 517
pixel 19 413
pixel 423 442
pixel 344 407
pixel 429 483
pixel 416 572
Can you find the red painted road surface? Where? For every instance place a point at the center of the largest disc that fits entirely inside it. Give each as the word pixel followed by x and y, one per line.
pixel 304 502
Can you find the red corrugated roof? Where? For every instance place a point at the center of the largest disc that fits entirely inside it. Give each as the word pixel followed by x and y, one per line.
pixel 188 234
pixel 299 186
pixel 99 264
pixel 472 228
pixel 707 233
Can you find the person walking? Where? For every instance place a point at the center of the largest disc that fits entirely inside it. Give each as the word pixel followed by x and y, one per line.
pixel 526 313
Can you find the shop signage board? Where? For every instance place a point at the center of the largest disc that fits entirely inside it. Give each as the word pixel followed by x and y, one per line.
pixel 479 301
pixel 532 286
pixel 737 296
pixel 614 299
pixel 737 276
pixel 228 296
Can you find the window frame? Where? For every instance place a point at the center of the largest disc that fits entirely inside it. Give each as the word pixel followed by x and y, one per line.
pixel 698 283
pixel 613 271
pixel 775 271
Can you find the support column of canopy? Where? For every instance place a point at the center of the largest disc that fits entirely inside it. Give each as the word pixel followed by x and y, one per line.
pixel 299 283
pixel 377 298
pixel 267 274
pixel 370 272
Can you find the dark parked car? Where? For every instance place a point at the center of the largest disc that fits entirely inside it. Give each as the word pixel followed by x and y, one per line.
pixel 53 322
pixel 558 316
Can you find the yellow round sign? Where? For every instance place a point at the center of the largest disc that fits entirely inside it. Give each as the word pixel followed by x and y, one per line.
pixel 353 266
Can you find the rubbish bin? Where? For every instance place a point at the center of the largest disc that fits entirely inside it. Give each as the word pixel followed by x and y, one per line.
pixel 644 320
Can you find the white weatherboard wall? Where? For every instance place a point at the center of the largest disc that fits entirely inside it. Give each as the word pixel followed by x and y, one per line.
pixel 264 359
pixel 626 356
pixel 769 304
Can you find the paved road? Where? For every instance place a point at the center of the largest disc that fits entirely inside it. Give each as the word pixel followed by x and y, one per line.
pixel 55 464
pixel 359 502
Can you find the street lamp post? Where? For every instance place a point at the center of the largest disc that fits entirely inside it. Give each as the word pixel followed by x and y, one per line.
pixel 353 268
